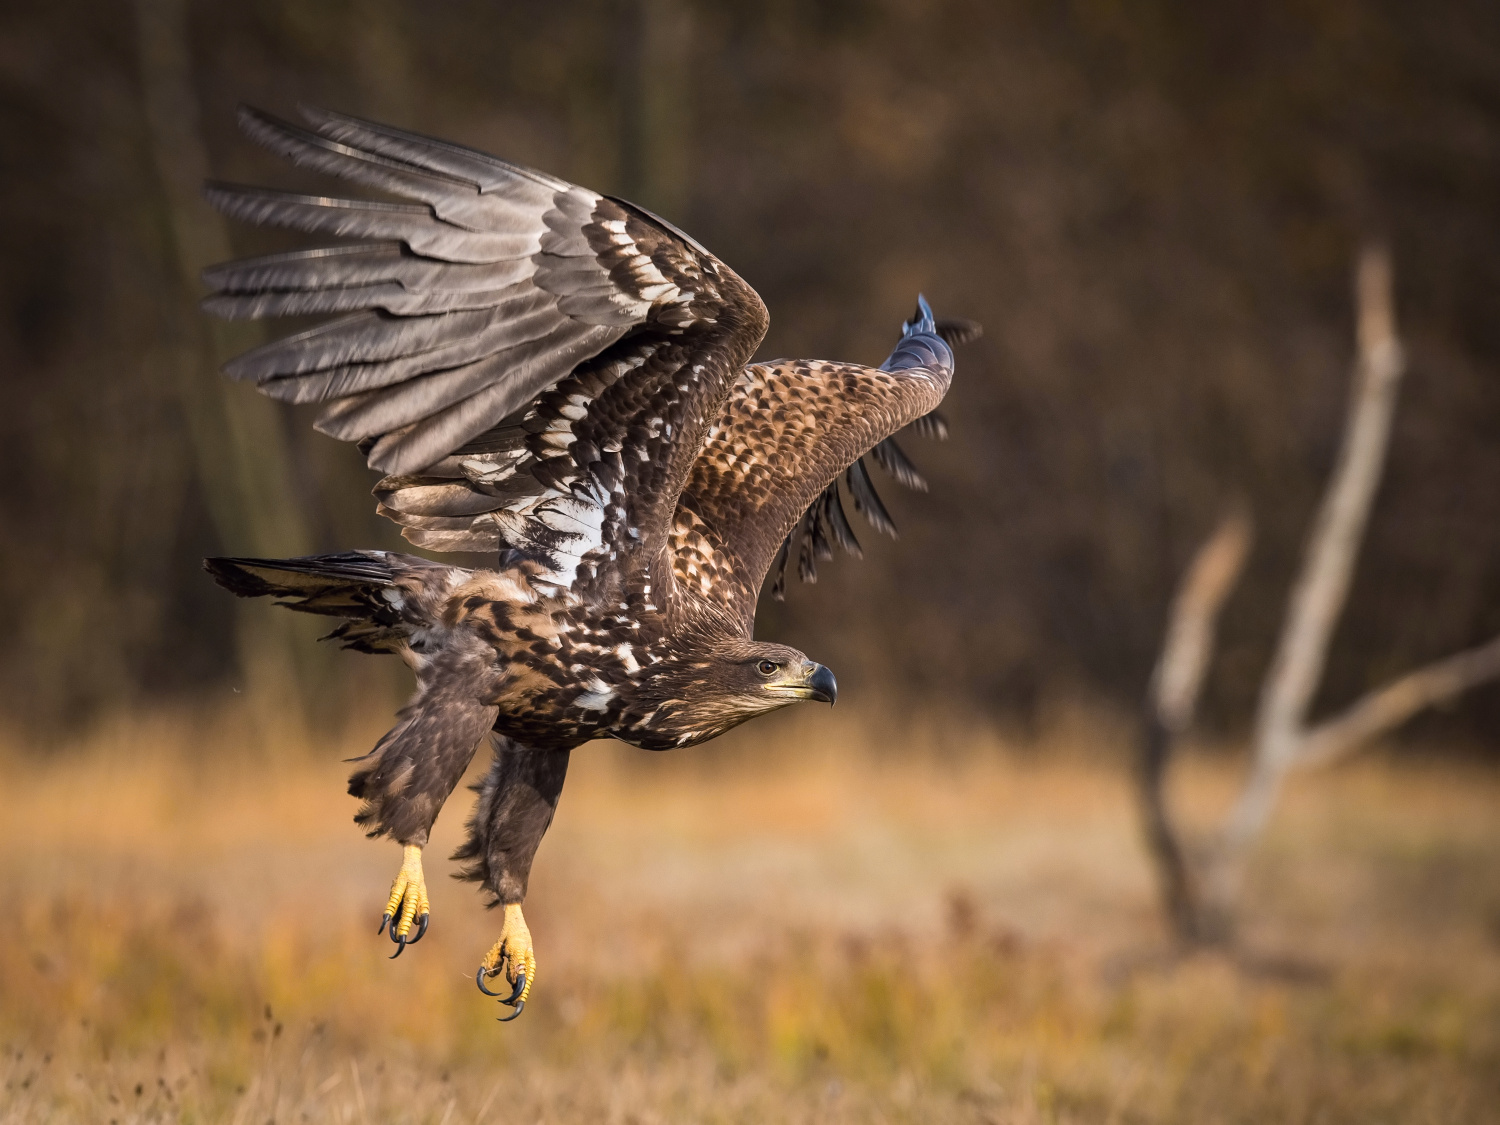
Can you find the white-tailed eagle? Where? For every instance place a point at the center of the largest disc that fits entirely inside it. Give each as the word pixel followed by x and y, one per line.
pixel 563 380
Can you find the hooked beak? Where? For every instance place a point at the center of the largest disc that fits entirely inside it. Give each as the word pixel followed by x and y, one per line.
pixel 822 687
pixel 817 683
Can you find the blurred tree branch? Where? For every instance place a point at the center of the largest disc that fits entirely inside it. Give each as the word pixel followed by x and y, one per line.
pixel 238 438
pixel 655 97
pixel 1173 698
pixel 1389 706
pixel 1332 548
pixel 1200 904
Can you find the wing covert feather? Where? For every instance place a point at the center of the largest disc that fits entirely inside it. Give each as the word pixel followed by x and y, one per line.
pixel 532 364
pixel 788 429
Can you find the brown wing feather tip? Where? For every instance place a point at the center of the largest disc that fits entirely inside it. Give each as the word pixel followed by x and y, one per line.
pixel 838 522
pixel 890 457
pixel 823 519
pixel 867 500
pixel 778 568
pixel 932 425
pixel 959 330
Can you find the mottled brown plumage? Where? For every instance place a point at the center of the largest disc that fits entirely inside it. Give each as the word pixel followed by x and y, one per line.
pixel 563 380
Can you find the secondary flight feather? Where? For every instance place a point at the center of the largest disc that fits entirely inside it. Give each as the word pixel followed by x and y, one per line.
pixel 563 380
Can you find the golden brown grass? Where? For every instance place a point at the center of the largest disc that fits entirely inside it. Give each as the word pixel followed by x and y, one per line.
pixel 788 927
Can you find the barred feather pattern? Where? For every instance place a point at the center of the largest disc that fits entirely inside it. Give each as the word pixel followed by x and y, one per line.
pixel 456 310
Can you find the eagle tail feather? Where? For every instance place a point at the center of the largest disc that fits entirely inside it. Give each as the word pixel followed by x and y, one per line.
pixel 353 585
pixel 297 577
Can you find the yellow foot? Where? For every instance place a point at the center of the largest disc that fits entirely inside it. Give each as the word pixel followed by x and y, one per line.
pixel 514 956
pixel 408 901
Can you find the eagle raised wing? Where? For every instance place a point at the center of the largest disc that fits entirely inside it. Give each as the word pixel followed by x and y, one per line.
pixel 534 365
pixel 772 460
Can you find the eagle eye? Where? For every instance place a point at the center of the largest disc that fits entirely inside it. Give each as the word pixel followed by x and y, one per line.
pixel 767 667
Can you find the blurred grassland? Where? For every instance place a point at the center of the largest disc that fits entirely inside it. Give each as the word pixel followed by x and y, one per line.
pixel 787 927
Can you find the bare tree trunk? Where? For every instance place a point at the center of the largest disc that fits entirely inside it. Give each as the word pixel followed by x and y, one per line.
pixel 1328 567
pixel 1200 904
pixel 237 435
pixel 1175 687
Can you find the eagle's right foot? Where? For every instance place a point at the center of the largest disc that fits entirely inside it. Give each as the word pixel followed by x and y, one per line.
pixel 408 902
pixel 514 956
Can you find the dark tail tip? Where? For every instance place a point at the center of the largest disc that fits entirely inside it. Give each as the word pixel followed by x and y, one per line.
pixel 229 574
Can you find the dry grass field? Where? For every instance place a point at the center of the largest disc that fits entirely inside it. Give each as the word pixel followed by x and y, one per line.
pixel 788 926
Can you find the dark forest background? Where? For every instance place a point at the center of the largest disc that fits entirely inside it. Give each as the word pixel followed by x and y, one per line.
pixel 1153 208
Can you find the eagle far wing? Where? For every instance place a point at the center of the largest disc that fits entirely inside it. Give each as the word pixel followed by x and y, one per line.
pixel 533 364
pixel 825 516
pixel 772 459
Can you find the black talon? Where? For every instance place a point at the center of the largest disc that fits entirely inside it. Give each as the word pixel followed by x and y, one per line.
pixel 421 929
pixel 394 938
pixel 384 918
pixel 520 1007
pixel 400 951
pixel 514 997
pixel 479 980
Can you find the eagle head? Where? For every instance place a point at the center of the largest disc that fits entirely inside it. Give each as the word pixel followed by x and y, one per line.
pixel 692 699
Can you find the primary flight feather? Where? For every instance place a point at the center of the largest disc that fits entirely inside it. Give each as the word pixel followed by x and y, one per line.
pixel 562 379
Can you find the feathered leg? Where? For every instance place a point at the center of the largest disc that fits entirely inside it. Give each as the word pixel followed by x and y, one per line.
pixel 411 773
pixel 516 801
pixel 395 604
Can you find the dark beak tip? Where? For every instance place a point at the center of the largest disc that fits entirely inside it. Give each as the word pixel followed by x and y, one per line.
pixel 825 687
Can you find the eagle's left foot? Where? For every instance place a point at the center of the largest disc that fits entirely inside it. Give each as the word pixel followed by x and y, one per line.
pixel 408 902
pixel 514 956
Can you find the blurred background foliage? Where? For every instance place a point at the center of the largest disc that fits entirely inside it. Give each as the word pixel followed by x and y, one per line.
pixel 1153 209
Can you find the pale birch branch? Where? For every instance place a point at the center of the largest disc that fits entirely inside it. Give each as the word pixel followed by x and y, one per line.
pixel 1282 739
pixel 1388 707
pixel 1189 642
pixel 1323 585
pixel 1172 699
